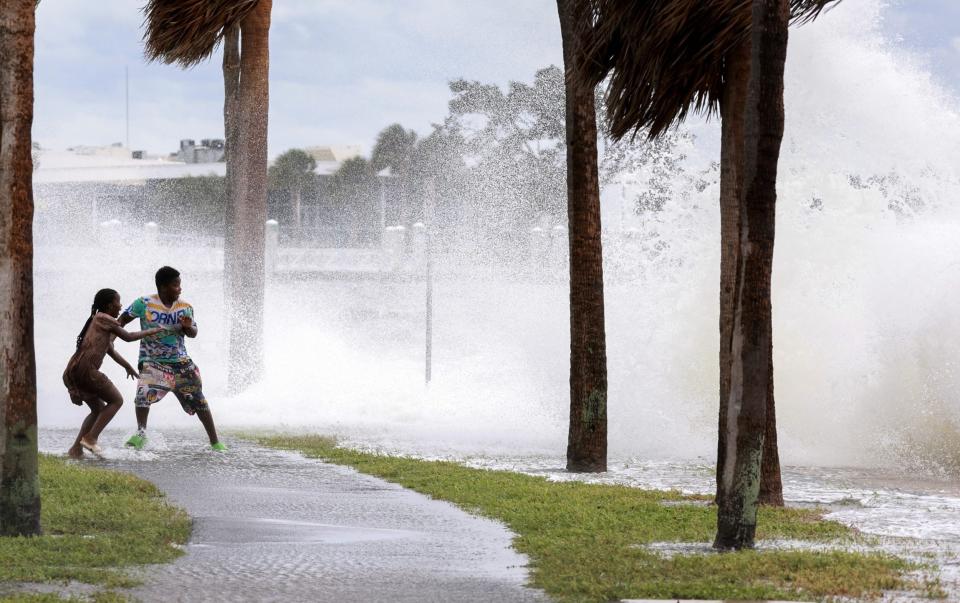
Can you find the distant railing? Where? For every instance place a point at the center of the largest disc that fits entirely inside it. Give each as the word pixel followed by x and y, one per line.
pixel 328 236
pixel 536 254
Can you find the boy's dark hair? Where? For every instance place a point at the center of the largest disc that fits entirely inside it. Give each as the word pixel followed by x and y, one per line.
pixel 165 276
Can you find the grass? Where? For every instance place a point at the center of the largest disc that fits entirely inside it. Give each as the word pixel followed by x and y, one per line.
pixel 585 541
pixel 98 597
pixel 95 523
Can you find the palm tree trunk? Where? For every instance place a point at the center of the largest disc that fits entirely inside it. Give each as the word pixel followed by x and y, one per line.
pixel 246 215
pixel 587 438
pixel 19 483
pixel 771 484
pixel 732 108
pixel 231 109
pixel 297 213
pixel 231 135
pixel 751 339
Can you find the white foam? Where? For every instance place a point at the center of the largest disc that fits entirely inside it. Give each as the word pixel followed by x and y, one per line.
pixel 864 304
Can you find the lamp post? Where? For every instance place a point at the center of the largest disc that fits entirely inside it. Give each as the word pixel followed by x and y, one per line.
pixel 382 175
pixel 428 221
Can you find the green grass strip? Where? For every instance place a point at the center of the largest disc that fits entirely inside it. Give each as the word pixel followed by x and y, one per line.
pixel 97 597
pixel 95 522
pixel 585 541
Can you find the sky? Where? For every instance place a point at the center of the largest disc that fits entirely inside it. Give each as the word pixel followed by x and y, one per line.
pixel 340 70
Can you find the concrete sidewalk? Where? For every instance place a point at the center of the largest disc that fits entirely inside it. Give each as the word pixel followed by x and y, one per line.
pixel 274 526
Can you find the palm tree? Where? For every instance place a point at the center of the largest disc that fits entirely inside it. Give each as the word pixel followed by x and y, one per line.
pixel 732 105
pixel 187 32
pixel 751 341
pixel 668 58
pixel 395 149
pixel 398 150
pixel 292 171
pixel 19 483
pixel 587 436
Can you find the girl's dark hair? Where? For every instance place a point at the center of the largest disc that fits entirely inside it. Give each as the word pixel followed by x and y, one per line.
pixel 100 302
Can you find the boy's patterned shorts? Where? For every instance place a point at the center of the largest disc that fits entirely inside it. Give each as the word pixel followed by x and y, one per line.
pixel 182 378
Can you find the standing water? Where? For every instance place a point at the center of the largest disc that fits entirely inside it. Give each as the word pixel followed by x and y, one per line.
pixel 866 348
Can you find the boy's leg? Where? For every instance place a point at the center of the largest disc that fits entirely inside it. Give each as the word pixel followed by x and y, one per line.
pixel 189 391
pixel 154 383
pixel 139 439
pixel 142 413
pixel 206 419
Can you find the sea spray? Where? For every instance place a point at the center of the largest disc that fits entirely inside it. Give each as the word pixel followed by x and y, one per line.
pixel 867 268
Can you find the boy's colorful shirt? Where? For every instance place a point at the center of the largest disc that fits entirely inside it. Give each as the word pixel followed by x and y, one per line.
pixel 167 348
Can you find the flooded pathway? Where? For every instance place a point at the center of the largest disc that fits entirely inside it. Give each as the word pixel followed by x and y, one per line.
pixel 274 526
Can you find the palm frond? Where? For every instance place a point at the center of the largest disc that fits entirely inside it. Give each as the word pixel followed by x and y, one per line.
pixel 665 57
pixel 802 11
pixel 188 31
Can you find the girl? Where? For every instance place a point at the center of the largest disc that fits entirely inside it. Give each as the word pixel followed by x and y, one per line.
pixel 83 378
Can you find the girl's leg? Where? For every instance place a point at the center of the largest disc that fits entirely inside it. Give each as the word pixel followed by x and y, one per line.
pixel 96 405
pixel 114 401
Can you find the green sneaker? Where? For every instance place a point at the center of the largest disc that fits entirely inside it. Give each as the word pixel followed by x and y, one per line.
pixel 137 440
pixel 219 447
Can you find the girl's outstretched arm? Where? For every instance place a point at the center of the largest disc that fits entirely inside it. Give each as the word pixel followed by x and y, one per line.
pixel 125 335
pixel 112 352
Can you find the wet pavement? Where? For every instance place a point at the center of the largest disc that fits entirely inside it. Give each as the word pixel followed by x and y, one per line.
pixel 274 526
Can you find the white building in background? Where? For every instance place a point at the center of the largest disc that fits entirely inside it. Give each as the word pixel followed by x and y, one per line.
pixel 117 163
pixel 79 189
pixel 336 153
pixel 329 158
pixel 84 186
pixel 113 164
pixel 210 150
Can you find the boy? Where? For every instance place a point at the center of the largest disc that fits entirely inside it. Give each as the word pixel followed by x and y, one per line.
pixel 164 363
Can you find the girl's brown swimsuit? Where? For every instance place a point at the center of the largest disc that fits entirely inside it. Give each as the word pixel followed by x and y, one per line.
pixel 82 376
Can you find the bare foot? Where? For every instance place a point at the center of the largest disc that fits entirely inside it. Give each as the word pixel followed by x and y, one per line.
pixel 75 452
pixel 91 446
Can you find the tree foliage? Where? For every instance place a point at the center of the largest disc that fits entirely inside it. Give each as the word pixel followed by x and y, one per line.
pixel 195 203
pixel 514 139
pixel 292 170
pixel 353 192
pixel 497 162
pixel 513 144
pixel 353 177
pixel 394 149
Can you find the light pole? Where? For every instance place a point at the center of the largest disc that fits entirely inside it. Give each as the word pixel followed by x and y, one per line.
pixel 382 175
pixel 428 221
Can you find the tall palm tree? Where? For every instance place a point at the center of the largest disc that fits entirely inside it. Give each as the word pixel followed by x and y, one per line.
pixel 19 483
pixel 187 32
pixel 665 59
pixel 587 437
pixel 751 341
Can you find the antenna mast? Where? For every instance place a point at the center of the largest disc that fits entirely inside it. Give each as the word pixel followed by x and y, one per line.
pixel 126 78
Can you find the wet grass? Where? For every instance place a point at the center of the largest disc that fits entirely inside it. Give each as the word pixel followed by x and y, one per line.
pixel 95 523
pixel 586 542
pixel 98 597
